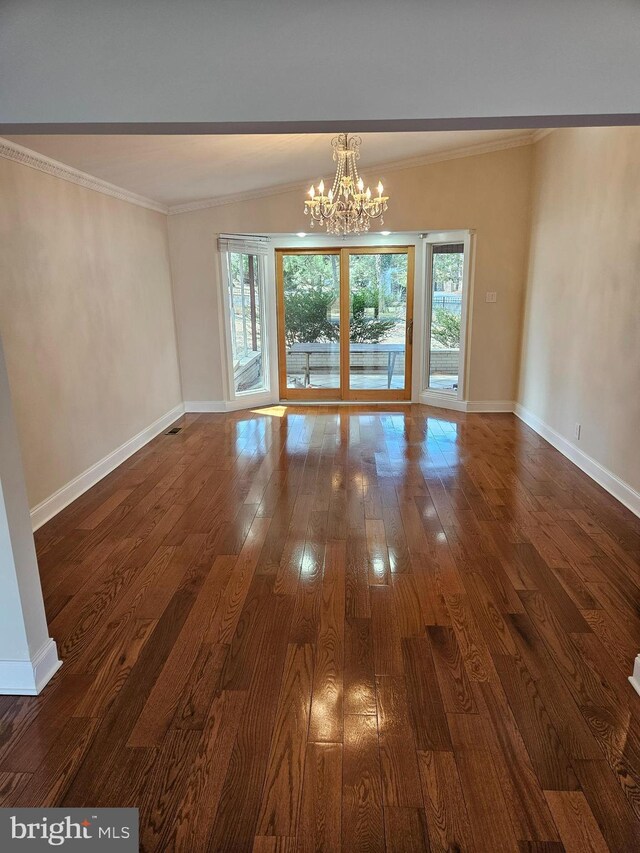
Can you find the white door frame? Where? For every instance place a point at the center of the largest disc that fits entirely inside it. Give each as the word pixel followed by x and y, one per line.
pixel 422 241
pixel 447 399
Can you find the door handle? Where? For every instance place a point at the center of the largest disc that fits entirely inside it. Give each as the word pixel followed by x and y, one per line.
pixel 410 332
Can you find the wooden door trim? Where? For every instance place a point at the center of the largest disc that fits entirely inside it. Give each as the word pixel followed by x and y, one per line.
pixel 330 394
pixel 344 392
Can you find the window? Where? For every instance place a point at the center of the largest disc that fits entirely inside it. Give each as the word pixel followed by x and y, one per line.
pixel 246 318
pixel 447 274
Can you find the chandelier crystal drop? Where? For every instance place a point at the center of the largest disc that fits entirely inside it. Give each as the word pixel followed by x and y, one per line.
pixel 348 207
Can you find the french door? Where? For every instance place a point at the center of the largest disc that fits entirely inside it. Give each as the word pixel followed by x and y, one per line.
pixel 345 322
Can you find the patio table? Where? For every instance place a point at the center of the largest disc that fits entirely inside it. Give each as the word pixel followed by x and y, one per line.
pixel 308 350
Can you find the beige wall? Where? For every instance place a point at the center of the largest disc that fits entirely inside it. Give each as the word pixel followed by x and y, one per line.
pixel 488 192
pixel 581 331
pixel 87 319
pixel 87 322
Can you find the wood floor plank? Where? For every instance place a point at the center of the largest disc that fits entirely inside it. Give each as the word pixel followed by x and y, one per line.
pixel 251 632
pixel 199 804
pixel 490 824
pixel 201 688
pixel 357 604
pixel 240 799
pixel 25 752
pixel 162 703
pixel 341 628
pixel 320 823
pixel 387 648
pixel 428 587
pixel 447 819
pixel 578 828
pixel 11 786
pixel 115 668
pixel 400 779
pixel 285 769
pixel 359 670
pixel 568 721
pixel 306 616
pixel 541 847
pixel 549 759
pixel 616 820
pixel 226 616
pixel 49 782
pixel 325 723
pixel 411 620
pixel 117 723
pixel 426 708
pixel 377 552
pixel 405 830
pixel 453 681
pixel 362 815
pixel 473 646
pixel 271 844
pixel 161 804
pixel 524 798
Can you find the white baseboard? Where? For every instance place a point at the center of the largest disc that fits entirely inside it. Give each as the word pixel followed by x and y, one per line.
pixel 446 401
pixel 442 401
pixel 52 505
pixel 489 406
pixel 200 406
pixel 76 487
pixel 28 677
pixel 609 481
pixel 635 678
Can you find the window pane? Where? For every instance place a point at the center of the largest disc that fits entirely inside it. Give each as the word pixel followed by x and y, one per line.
pixel 311 284
pixel 377 321
pixel 446 315
pixel 246 310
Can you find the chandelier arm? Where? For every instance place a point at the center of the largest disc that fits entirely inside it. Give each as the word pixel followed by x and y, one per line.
pixel 345 209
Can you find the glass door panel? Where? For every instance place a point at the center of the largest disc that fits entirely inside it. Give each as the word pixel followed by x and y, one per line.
pixel 345 323
pixel 380 325
pixel 310 324
pixel 447 275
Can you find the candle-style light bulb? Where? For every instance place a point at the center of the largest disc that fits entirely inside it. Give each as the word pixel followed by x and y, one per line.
pixel 330 196
pixel 312 191
pixel 380 188
pixel 368 193
pixel 360 184
pixel 321 187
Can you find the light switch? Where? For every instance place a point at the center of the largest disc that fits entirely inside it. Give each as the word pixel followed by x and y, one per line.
pixel 492 296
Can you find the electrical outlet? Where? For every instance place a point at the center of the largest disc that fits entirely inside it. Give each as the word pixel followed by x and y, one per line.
pixel 577 431
pixel 491 296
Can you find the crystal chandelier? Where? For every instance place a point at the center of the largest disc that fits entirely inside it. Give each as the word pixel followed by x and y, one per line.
pixel 347 208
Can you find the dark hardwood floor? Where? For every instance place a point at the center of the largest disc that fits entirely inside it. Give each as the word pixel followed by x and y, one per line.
pixel 312 629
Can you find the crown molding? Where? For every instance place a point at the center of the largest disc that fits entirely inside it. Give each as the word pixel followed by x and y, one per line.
pixel 234 198
pixel 388 166
pixel 456 153
pixel 540 134
pixel 26 157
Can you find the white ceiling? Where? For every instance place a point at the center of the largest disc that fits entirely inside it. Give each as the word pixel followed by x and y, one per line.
pixel 179 169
